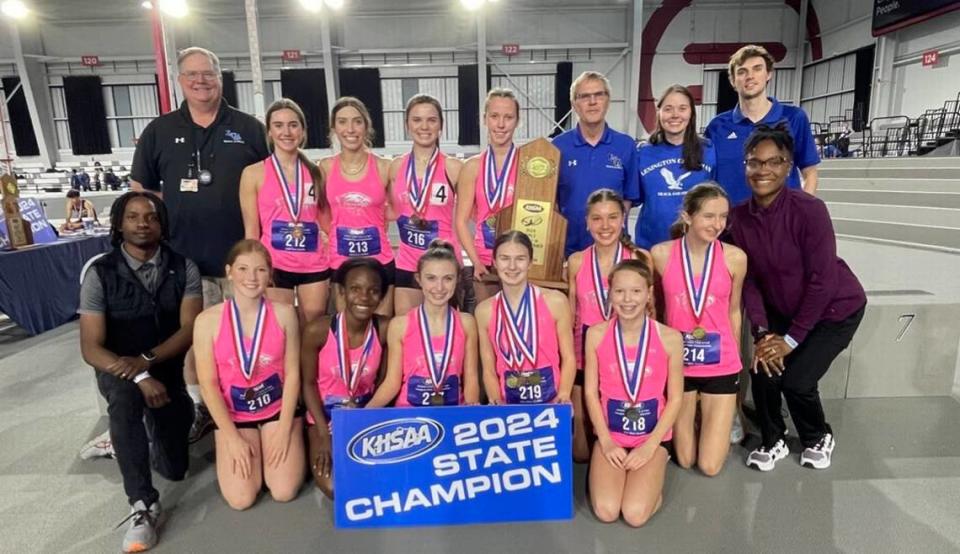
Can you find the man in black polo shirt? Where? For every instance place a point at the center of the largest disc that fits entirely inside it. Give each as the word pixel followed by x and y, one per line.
pixel 193 157
pixel 137 307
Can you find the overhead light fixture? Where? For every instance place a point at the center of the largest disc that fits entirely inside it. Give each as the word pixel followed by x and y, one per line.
pixel 312 5
pixel 174 8
pixel 334 4
pixel 147 5
pixel 14 9
pixel 472 5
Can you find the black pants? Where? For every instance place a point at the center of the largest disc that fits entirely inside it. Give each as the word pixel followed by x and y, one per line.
pixel 798 383
pixel 131 420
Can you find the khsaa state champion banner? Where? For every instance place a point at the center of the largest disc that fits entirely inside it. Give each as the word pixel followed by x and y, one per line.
pixel 452 465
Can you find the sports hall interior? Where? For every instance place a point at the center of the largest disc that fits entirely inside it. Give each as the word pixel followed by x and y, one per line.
pixel 892 396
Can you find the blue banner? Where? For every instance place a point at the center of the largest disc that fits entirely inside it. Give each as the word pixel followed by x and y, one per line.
pixel 452 465
pixel 31 210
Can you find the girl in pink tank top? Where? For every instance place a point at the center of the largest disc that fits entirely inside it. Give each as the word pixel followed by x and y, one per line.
pixel 527 349
pixel 281 198
pixel 702 280
pixel 342 358
pixel 432 358
pixel 588 286
pixel 248 367
pixel 423 196
pixel 486 186
pixel 633 389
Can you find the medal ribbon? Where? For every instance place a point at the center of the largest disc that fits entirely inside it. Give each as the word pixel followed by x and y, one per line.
pixel 495 186
pixel 438 372
pixel 697 294
pixel 600 291
pixel 632 378
pixel 248 359
pixel 347 374
pixel 521 329
pixel 420 190
pixel 293 201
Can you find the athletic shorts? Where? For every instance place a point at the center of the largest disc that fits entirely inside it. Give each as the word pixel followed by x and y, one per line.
pixel 724 384
pixel 283 279
pixel 390 269
pixel 261 422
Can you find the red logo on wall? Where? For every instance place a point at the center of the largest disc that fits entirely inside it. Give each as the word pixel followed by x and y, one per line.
pixel 90 61
pixel 291 55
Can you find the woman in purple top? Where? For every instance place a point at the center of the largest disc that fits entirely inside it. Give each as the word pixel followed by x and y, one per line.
pixel 803 301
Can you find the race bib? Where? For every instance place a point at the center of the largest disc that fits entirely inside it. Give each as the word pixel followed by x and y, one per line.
pixel 294 237
pixel 630 420
pixel 354 242
pixel 420 391
pixel 414 235
pixel 332 402
pixel 489 230
pixel 252 400
pixel 701 351
pixel 530 387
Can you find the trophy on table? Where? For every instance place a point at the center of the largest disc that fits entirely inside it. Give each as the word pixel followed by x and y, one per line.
pixel 18 229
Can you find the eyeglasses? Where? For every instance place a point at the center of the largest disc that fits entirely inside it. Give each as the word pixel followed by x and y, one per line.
pixel 199 75
pixel 587 96
pixel 775 164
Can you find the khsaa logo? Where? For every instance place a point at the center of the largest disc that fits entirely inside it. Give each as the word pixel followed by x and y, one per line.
pixel 394 441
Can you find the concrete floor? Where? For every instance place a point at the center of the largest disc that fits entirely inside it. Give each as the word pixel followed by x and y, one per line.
pixel 893 486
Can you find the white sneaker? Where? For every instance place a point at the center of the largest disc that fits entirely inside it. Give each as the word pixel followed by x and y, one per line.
pixel 764 459
pixel 99 447
pixel 142 534
pixel 736 432
pixel 818 456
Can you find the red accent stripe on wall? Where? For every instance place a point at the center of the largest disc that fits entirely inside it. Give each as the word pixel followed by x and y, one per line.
pixel 720 52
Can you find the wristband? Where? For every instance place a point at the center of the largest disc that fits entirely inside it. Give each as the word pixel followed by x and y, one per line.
pixel 141 376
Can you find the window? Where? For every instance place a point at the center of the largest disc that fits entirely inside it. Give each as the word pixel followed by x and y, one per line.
pixel 60 120
pixel 396 92
pixel 536 108
pixel 129 109
pixel 828 87
pixel 271 92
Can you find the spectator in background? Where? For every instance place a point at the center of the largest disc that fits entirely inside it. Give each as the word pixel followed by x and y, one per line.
pixel 751 68
pixel 193 157
pixel 77 209
pixel 110 180
pixel 98 179
pixel 75 183
pixel 84 179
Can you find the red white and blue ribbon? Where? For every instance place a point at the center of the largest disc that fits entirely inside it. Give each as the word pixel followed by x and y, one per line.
pixel 697 294
pixel 494 185
pixel 632 377
pixel 600 291
pixel 420 190
pixel 438 370
pixel 348 374
pixel 248 358
pixel 520 342
pixel 294 200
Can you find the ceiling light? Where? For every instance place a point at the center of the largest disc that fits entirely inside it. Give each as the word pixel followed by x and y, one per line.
pixel 147 5
pixel 14 9
pixel 312 5
pixel 334 4
pixel 174 8
pixel 472 5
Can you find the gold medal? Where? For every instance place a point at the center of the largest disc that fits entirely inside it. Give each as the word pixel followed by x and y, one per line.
pixel 513 382
pixel 632 414
pixel 436 399
pixel 492 222
pixel 533 378
pixel 297 231
pixel 699 333
pixel 249 395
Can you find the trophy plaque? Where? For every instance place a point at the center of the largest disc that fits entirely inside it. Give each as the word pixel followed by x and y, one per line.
pixel 18 230
pixel 534 212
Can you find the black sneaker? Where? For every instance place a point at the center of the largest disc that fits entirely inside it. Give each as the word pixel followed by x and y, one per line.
pixel 202 423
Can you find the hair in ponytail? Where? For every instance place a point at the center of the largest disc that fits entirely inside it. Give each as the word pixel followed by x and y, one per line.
pixel 693 202
pixel 610 195
pixel 440 250
pixel 319 191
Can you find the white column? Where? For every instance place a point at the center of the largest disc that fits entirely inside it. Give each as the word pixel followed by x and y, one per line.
pixel 256 73
pixel 633 71
pixel 482 67
pixel 330 65
pixel 801 52
pixel 33 81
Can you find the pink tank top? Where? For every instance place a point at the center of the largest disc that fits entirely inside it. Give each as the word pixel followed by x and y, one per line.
pixel 358 225
pixel 334 391
pixel 630 425
pixel 437 216
pixel 710 349
pixel 260 396
pixel 417 388
pixel 530 383
pixel 294 243
pixel 589 311
pixel 486 232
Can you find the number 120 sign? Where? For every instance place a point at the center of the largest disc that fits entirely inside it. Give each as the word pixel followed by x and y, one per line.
pixel 90 61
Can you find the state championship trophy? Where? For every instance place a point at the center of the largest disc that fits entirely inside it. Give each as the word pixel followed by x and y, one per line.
pixel 18 230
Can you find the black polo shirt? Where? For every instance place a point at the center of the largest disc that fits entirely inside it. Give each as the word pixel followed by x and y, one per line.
pixel 203 224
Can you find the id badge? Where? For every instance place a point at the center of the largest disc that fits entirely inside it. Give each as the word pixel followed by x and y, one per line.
pixel 254 399
pixel 634 421
pixel 530 387
pixel 354 242
pixel 420 391
pixel 414 235
pixel 701 351
pixel 189 185
pixel 294 237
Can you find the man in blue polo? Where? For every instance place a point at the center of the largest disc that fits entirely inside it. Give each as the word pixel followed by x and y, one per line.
pixel 751 68
pixel 592 156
